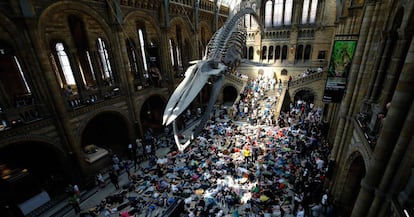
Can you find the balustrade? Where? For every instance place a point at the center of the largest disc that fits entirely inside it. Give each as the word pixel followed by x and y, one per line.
pixel 26 110
pixel 309 78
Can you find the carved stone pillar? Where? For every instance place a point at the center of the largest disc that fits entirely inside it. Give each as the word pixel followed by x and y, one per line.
pixel 57 104
pixel 166 69
pixel 126 79
pixel 391 142
pixel 384 62
pixel 399 162
pixel 397 62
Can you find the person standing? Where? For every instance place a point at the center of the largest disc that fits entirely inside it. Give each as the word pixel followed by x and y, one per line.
pixel 114 179
pixel 126 166
pixel 148 149
pixel 73 200
pixel 100 180
pixel 324 201
pixel 76 190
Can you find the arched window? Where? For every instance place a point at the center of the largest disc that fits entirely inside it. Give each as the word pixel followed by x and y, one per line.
pixel 83 61
pixel 251 50
pixel 270 53
pixel 142 47
pixel 264 52
pixel 277 52
pixel 309 11
pixel 307 54
pixel 282 12
pixel 244 52
pixel 288 12
pixel 179 47
pixel 12 76
pixel 172 52
pixel 252 20
pixel 132 56
pixel 278 13
pixel 247 23
pixel 66 78
pixel 268 14
pixel 107 75
pixel 305 11
pixel 284 52
pixel 299 52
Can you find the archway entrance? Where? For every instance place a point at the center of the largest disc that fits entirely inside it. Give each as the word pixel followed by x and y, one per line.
pixel 151 114
pixel 229 95
pixel 108 131
pixel 31 169
pixel 349 195
pixel 304 95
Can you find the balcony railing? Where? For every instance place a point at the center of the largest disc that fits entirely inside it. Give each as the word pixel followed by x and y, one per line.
pixel 89 97
pixel 25 110
pixel 362 127
pixel 307 79
pixel 205 5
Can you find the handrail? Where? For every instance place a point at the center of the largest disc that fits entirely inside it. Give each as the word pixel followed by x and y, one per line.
pixel 306 79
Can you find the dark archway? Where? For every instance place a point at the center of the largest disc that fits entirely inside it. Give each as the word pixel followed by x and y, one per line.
pixel 30 169
pixel 352 185
pixel 151 114
pixel 229 95
pixel 108 131
pixel 305 95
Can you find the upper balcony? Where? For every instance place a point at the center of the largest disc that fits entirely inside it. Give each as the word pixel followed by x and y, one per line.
pixel 25 110
pixel 368 133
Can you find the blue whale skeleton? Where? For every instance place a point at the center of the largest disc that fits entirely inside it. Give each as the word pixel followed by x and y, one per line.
pixel 223 54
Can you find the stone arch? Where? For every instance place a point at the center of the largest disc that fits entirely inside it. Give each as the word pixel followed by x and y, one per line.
pixel 181 34
pixel 110 109
pixel 40 164
pixel 230 94
pixel 152 29
pixel 54 13
pixel 185 30
pixel 304 93
pixel 109 129
pixel 157 111
pixel 354 171
pixel 50 143
pixel 208 32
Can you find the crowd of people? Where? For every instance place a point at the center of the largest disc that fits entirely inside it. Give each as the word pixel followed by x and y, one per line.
pixel 246 162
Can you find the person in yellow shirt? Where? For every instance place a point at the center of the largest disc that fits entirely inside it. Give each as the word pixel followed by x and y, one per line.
pixel 247 154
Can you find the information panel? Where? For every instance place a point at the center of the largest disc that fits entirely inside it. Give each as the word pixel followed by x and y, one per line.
pixel 338 70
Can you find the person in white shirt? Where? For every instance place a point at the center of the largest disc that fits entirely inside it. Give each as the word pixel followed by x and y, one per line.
pixel 300 212
pixel 319 164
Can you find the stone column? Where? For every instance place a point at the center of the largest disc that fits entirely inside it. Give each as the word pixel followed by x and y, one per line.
pixel 393 173
pixel 166 68
pixel 375 62
pixel 216 15
pixel 384 62
pixel 391 142
pixel 97 67
pixel 126 79
pixel 394 68
pixel 57 104
pixel 75 65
